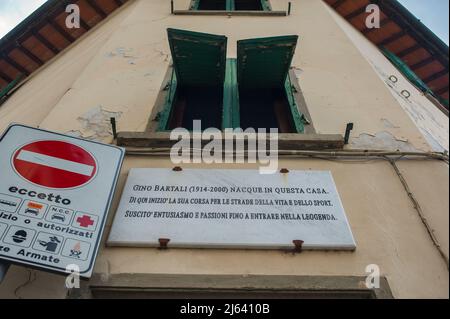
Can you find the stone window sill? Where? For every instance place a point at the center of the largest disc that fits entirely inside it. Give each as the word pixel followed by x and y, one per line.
pixel 286 141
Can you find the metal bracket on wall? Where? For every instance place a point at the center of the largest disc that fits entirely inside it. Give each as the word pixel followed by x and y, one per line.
pixel 114 127
pixel 4 266
pixel 348 129
pixel 163 243
pixel 298 245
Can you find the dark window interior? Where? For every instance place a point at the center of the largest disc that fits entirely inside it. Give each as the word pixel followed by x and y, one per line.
pixel 251 5
pixel 212 5
pixel 248 5
pixel 265 108
pixel 191 104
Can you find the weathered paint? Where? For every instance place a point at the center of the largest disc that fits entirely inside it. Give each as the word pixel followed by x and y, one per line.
pixel 230 116
pixel 264 62
pixel 430 121
pixel 339 86
pixel 9 87
pixel 198 58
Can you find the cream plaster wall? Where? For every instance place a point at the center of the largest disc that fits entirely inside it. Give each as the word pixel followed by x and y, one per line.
pixel 431 122
pixel 118 69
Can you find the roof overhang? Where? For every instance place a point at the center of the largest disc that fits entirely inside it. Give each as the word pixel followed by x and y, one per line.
pixel 404 35
pixel 43 35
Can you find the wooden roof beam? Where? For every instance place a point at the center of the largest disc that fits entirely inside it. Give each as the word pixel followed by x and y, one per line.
pixel 392 38
pixel 30 55
pixel 355 13
pixel 61 31
pixel 436 76
pixel 84 24
pixel 382 24
pixel 338 3
pixel 5 77
pixel 388 7
pixel 14 64
pixel 409 50
pixel 45 42
pixel 442 90
pixel 96 8
pixel 422 63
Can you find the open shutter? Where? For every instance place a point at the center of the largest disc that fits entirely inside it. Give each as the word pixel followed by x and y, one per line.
pixel 264 62
pixel 195 4
pixel 262 67
pixel 266 5
pixel 4 92
pixel 199 59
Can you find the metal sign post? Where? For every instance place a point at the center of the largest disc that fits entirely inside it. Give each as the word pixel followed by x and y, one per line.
pixel 4 266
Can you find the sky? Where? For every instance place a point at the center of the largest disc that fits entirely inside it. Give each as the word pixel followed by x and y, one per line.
pixel 433 13
pixel 12 12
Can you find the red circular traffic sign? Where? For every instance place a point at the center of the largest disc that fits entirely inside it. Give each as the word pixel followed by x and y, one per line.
pixel 54 164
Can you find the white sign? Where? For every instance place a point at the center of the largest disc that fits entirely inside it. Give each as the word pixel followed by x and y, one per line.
pixel 211 208
pixel 55 193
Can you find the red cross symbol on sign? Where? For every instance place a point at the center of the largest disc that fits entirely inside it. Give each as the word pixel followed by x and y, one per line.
pixel 85 221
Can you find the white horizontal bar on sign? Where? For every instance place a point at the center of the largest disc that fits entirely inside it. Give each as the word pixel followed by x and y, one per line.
pixel 55 162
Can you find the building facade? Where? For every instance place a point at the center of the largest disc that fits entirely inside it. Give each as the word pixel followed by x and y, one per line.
pixel 397 206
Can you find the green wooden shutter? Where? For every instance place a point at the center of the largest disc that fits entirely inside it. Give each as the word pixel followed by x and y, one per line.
pixel 230 114
pixel 199 59
pixel 194 4
pixel 404 68
pixel 266 5
pixel 411 75
pixel 265 62
pixel 10 86
pixel 230 5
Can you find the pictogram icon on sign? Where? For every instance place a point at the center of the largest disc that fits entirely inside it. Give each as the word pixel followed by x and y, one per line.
pixel 33 209
pixel 85 221
pixel 51 244
pixel 48 242
pixel 76 249
pixel 9 203
pixel 59 215
pixel 19 236
pixel 55 164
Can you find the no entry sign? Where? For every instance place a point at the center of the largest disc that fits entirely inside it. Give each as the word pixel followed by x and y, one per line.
pixel 55 194
pixel 55 164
